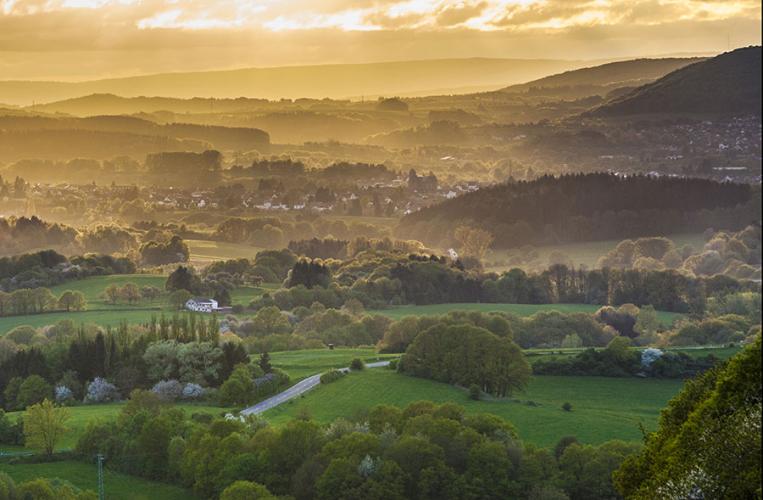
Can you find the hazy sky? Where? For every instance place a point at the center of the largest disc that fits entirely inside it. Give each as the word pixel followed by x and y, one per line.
pixel 79 39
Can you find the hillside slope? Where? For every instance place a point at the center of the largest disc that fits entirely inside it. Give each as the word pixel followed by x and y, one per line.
pixel 728 83
pixel 319 81
pixel 610 75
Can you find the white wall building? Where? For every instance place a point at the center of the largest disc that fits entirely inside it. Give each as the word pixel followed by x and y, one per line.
pixel 201 304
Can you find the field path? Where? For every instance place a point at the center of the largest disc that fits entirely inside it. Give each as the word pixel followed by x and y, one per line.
pixel 297 389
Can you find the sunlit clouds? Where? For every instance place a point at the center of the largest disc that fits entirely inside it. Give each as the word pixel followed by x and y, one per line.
pixel 124 36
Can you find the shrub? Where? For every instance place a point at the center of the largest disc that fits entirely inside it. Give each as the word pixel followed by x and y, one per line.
pixel 168 390
pixel 331 376
pixel 357 364
pixel 101 391
pixel 392 365
pixel 474 392
pixel 63 394
pixel 567 406
pixel 193 391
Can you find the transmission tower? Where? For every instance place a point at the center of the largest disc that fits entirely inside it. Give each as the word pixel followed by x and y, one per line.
pixel 101 494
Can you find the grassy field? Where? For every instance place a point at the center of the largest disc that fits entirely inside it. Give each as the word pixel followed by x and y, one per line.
pixel 586 253
pixel 666 318
pixel 300 364
pixel 81 415
pixel 603 408
pixel 204 251
pixel 100 312
pixel 82 475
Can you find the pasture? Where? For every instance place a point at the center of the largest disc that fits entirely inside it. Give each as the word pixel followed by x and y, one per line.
pixel 83 475
pixel 602 408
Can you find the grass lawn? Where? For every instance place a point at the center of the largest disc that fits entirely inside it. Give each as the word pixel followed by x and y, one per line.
pixel 81 415
pixel 82 475
pixel 603 408
pixel 300 364
pixel 665 318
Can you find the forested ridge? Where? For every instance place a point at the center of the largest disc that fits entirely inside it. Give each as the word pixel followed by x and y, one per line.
pixel 584 207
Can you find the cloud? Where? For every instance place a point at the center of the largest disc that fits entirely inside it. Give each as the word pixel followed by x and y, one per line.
pixel 85 38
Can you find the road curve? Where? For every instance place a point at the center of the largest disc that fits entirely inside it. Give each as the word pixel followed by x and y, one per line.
pixel 297 389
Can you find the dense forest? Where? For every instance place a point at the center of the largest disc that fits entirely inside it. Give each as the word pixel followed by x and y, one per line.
pixel 587 207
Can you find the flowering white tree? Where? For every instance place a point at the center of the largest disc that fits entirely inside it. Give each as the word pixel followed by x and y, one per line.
pixel 101 391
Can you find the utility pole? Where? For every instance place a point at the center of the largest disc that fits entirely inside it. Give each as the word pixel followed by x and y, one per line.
pixel 101 494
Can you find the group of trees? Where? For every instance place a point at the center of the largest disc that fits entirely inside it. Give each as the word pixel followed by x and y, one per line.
pixel 39 300
pixel 67 364
pixel 130 293
pixel 47 268
pixel 421 451
pixel 467 355
pixel 157 254
pixel 732 254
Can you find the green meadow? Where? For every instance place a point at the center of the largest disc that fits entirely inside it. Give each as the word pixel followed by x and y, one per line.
pixel 83 475
pixel 300 364
pixel 602 408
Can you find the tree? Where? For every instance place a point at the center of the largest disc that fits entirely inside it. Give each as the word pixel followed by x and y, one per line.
pixel 33 389
pixel 264 362
pixel 473 242
pixel 112 293
pixel 44 426
pixel 150 292
pixel 72 301
pixel 178 298
pixel 183 278
pixel 130 293
pixel 708 443
pixel 246 490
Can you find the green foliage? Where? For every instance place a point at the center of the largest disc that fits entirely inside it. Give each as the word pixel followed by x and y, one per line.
pixel 331 376
pixel 708 439
pixel 357 364
pixel 246 490
pixel 467 355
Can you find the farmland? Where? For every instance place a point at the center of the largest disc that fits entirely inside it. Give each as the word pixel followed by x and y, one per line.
pixel 603 408
pixel 300 364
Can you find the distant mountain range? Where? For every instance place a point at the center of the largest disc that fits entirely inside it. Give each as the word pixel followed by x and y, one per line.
pixel 608 76
pixel 728 83
pixel 334 80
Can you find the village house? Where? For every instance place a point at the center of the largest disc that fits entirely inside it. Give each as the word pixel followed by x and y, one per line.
pixel 202 304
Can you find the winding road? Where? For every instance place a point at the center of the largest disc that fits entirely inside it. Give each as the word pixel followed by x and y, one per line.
pixel 297 389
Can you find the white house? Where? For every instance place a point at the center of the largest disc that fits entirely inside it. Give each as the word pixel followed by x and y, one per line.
pixel 201 304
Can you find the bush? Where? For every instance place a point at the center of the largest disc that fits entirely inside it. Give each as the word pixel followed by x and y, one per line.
pixel 392 365
pixel 193 391
pixel 567 406
pixel 331 376
pixel 63 395
pixel 474 392
pixel 357 364
pixel 10 432
pixel 168 390
pixel 101 391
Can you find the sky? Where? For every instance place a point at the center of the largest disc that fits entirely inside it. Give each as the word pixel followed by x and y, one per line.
pixel 86 39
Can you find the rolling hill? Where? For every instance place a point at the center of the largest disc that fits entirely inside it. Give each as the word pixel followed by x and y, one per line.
pixel 318 81
pixel 728 83
pixel 604 78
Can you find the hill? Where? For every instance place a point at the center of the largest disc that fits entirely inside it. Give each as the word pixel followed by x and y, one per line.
pixel 332 80
pixel 585 208
pixel 728 83
pixel 604 78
